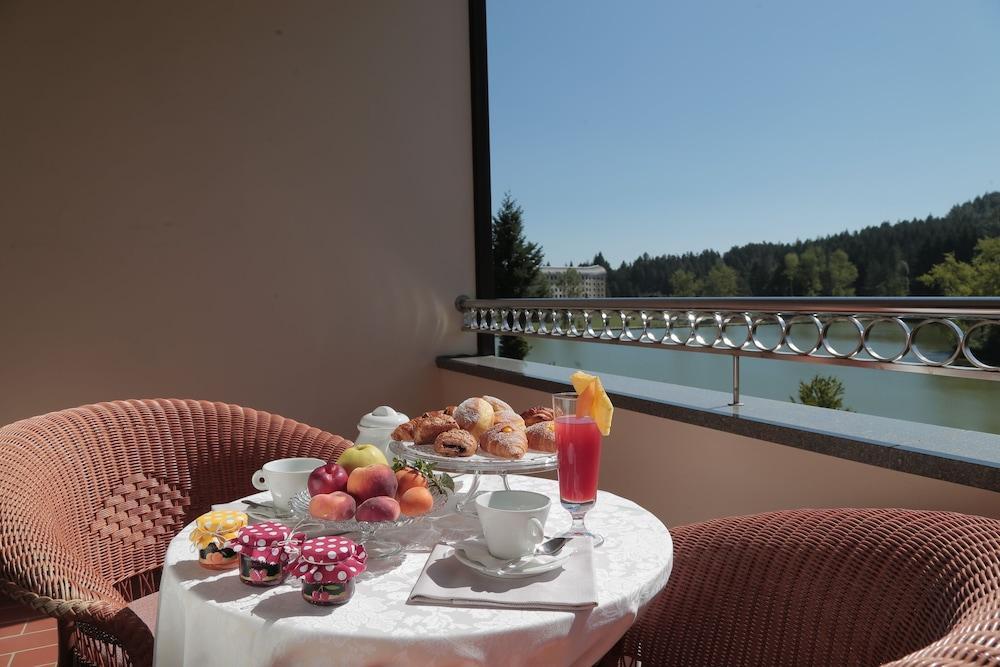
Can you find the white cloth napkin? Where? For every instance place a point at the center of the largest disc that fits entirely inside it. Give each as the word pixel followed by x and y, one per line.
pixel 446 581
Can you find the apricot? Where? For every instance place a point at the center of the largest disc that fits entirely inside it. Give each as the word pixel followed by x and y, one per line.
pixel 371 481
pixel 379 508
pixel 416 501
pixel 336 506
pixel 409 478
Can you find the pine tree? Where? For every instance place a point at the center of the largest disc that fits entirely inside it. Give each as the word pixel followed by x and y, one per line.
pixel 515 266
pixel 822 391
pixel 600 261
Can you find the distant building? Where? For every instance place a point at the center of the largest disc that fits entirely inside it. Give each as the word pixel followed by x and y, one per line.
pixel 593 279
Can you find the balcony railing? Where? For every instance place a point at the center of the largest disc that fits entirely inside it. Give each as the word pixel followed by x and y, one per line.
pixel 939 335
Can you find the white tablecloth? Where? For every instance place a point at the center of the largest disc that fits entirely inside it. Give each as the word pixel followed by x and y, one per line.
pixel 208 618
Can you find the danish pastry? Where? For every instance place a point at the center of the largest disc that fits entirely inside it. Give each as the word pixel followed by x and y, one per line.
pixel 426 429
pixel 475 415
pixel 498 405
pixel 532 416
pixel 456 443
pixel 505 441
pixel 542 436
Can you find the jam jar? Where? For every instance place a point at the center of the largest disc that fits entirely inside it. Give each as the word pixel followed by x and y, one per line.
pixel 263 549
pixel 327 567
pixel 213 534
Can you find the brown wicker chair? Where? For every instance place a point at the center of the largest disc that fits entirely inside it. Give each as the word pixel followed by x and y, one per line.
pixel 90 497
pixel 826 587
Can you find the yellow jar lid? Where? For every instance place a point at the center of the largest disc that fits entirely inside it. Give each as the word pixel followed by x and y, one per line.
pixel 217 527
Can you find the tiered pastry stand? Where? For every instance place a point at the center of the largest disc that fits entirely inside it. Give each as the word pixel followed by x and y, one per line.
pixel 475 465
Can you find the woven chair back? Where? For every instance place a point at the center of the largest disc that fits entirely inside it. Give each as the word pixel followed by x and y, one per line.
pixel 114 482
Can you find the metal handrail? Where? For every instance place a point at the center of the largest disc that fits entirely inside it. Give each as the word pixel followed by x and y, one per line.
pixel 904 305
pixel 738 327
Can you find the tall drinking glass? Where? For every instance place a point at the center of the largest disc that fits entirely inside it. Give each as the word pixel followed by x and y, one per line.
pixel 578 443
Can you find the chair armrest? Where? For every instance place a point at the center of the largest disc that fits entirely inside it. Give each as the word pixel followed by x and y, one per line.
pixel 112 617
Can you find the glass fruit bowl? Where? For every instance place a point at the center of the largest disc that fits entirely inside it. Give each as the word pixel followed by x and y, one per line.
pixel 365 533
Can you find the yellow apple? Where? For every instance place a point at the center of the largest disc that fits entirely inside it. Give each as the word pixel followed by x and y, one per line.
pixel 360 456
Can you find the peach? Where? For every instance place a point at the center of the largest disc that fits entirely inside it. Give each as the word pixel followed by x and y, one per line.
pixel 379 508
pixel 336 506
pixel 416 501
pixel 409 478
pixel 371 481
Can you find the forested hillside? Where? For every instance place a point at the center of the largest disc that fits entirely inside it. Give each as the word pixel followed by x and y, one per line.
pixel 886 259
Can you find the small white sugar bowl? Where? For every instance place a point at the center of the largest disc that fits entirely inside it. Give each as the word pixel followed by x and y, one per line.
pixel 376 427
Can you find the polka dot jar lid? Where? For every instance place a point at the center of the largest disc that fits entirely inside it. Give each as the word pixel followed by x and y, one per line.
pixel 267 542
pixel 329 560
pixel 218 527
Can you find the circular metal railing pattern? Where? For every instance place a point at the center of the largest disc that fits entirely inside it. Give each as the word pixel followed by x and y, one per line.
pixel 929 339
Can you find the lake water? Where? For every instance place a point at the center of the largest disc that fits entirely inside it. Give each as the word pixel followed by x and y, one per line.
pixel 946 401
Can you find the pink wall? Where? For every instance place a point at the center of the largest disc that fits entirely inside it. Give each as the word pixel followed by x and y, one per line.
pixel 259 202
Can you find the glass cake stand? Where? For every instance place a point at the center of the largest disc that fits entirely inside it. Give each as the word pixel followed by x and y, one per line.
pixel 475 465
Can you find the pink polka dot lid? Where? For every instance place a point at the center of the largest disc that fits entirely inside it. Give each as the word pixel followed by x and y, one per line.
pixel 328 560
pixel 267 542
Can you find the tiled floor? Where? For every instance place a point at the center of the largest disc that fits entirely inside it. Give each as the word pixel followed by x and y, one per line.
pixel 26 638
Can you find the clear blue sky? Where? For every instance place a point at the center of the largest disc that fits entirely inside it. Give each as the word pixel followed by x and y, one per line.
pixel 663 127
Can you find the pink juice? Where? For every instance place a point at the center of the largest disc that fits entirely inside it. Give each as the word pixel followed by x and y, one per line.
pixel 578 442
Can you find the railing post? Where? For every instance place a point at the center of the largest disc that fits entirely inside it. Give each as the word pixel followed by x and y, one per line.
pixel 736 382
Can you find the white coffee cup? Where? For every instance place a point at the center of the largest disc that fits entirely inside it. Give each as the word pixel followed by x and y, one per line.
pixel 284 478
pixel 513 521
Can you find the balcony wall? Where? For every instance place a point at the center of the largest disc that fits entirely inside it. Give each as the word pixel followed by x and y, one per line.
pixel 685 473
pixel 256 202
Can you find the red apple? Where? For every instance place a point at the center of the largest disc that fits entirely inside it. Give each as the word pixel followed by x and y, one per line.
pixel 327 479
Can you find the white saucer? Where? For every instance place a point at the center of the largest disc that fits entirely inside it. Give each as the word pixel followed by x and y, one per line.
pixel 530 566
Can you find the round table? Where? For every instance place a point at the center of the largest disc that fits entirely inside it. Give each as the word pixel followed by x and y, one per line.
pixel 210 617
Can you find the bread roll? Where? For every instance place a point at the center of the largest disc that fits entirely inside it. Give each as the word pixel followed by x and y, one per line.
pixel 474 415
pixel 509 417
pixel 498 405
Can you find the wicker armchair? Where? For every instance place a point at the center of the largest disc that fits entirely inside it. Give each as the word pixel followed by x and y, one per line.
pixel 90 497
pixel 826 587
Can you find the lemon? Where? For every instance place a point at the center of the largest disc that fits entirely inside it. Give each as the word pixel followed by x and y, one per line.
pixel 590 390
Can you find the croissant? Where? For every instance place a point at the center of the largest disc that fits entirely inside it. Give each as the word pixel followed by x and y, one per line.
pixel 542 436
pixel 505 441
pixel 404 432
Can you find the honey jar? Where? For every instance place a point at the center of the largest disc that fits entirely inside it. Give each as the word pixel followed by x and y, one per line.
pixel 212 536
